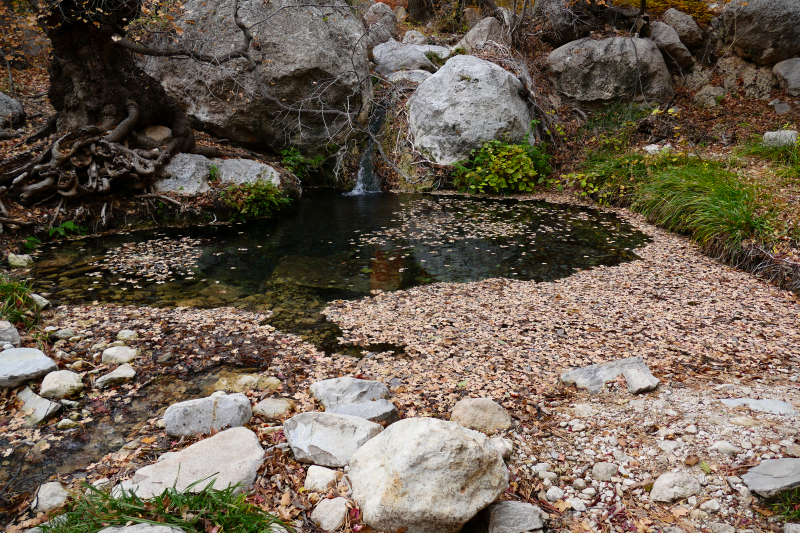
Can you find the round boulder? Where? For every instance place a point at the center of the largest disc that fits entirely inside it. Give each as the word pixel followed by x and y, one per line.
pixel 481 414
pixel 426 475
pixel 61 384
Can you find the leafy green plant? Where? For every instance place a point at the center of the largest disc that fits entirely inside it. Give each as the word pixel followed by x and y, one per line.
pixel 300 165
pixel 203 511
pixel 214 173
pixel 254 200
pixel 67 228
pixel 16 304
pixel 30 244
pixel 788 505
pixel 499 167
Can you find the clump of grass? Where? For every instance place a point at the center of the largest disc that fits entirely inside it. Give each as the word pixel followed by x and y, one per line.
pixel 788 505
pixel 786 156
pixel 206 511
pixel 16 304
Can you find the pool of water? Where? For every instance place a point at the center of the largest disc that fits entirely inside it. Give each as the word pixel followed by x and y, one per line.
pixel 335 247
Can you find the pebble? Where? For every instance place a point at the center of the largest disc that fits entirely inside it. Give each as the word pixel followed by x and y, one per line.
pixel 554 494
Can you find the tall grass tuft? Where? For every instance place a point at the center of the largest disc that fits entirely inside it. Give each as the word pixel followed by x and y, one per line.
pixel 787 156
pixel 16 304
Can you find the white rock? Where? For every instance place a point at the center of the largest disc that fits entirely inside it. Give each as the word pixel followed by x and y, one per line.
pixel 319 478
pixel 776 407
pixel 392 56
pixel 414 37
pixel 488 29
pixel 127 335
pixel 327 439
pixel 329 514
pixel 773 476
pixel 273 408
pixel 202 416
pixel 427 475
pixel 481 414
pixel 504 446
pixel 375 411
pixel 583 410
pixel 576 504
pixel 20 261
pixel 228 458
pixel 9 334
pixel 50 496
pixel 35 408
pixel 711 506
pixel 18 365
pixel 554 494
pixel 119 355
pixel 241 171
pixel 61 384
pixel 514 517
pixel 604 471
pixel 725 448
pixel 122 374
pixel 719 527
pixel 640 380
pixel 674 485
pixel 413 76
pixel 339 391
pixel 186 174
pixel 791 528
pixel 780 138
pixel 593 377
pixel 40 301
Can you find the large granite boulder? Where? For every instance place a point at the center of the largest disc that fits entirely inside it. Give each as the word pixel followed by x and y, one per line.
pixel 426 475
pixel 18 365
pixel 327 439
pixel 467 102
pixel 766 31
pixel 594 73
pixel 310 54
pixel 674 51
pixel 488 29
pixel 228 458
pixel 688 31
pixel 205 415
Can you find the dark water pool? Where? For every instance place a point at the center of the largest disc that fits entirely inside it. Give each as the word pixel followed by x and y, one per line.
pixel 335 247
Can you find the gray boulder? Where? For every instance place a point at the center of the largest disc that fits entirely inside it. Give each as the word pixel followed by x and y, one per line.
pixel 228 458
pixel 775 407
pixel 773 476
pixel 40 301
pixel 374 411
pixel 757 82
pixel 11 112
pixel 20 261
pixel 674 51
pixel 392 56
pixel 122 374
pixel 414 37
pixel 381 25
pixel 674 485
pixel 241 171
pixel 35 408
pixel 311 54
pixel 61 384
pixel 202 416
pixel 186 174
pixel 766 31
pixel 788 74
pixel 593 377
pixel 50 496
pixel 780 138
pixel 594 73
pixel 488 29
pixel 327 439
pixel 426 475
pixel 340 391
pixel 18 365
pixel 686 27
pixel 514 517
pixel 481 414
pixel 8 334
pixel 562 24
pixel 412 76
pixel 468 102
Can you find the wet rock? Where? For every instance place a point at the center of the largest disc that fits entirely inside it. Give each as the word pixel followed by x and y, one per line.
pixel 788 74
pixel 686 27
pixel 488 29
pixel 775 407
pixel 319 478
pixel 329 514
pixel 185 174
pixel 66 424
pixel 375 411
pixel 514 517
pixel 504 446
pixel 604 471
pixel 228 458
pixel 273 408
pixel 327 439
pixel 40 301
pixel 20 261
pixel 593 377
pixel 481 414
pixel 444 472
pixel 773 476
pixel 50 496
pixel 18 365
pixel 412 76
pixel 8 334
pixel 595 72
pixel 143 528
pixel 340 391
pixel 35 408
pixel 118 355
pixel 780 138
pixel 708 96
pixel 414 37
pixel 480 98
pixel 127 335
pixel 122 374
pixel 392 56
pixel 61 384
pixel 669 43
pixel 218 411
pixel 674 485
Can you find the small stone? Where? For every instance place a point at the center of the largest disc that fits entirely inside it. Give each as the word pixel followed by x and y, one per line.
pixel 583 410
pixel 18 365
pixel 504 446
pixel 61 384
pixel 127 335
pixel 66 424
pixel 604 471
pixel 579 484
pixel 40 301
pixel 669 446
pixel 576 504
pixel 554 494
pixel 691 429
pixel 50 496
pixel 725 448
pixel 719 527
pixel 639 380
pixel 115 344
pixel 20 261
pixel 481 414
pixel 9 334
pixel 273 408
pixel 674 485
pixel 697 514
pixel 122 374
pixel 319 478
pixel 711 506
pixel 514 517
pixel 119 355
pixel 63 334
pixel 329 514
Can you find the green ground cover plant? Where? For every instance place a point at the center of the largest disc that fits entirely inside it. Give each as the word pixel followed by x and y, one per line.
pixel 16 304
pixel 500 167
pixel 254 200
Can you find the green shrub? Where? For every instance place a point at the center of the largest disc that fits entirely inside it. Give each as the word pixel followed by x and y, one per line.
pixel 67 228
pixel 213 173
pixel 16 304
pixel 205 511
pixel 300 165
pixel 254 200
pixel 499 167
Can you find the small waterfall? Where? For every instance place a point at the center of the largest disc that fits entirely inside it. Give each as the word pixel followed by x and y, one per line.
pixel 366 181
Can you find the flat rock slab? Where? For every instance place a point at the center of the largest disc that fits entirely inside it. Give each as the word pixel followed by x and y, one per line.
pixel 327 439
pixel 773 476
pixel 8 333
pixel 205 415
pixel 593 377
pixel 18 365
pixel 340 391
pixel 514 517
pixel 374 411
pixel 36 408
pixel 122 374
pixel 775 407
pixel 228 458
